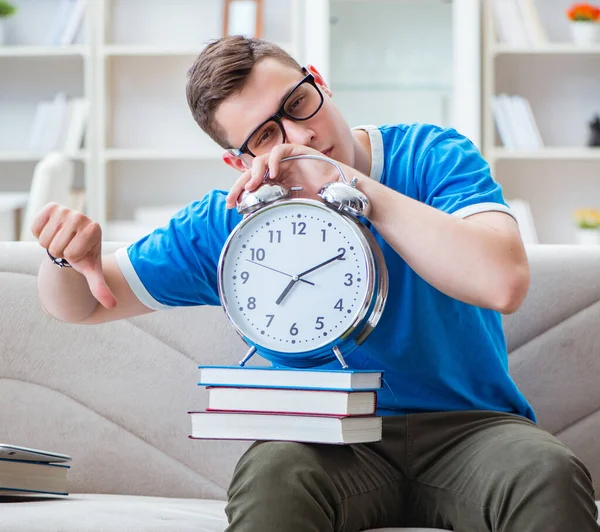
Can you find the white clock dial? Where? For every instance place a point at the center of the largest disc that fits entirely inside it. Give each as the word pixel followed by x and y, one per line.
pixel 295 276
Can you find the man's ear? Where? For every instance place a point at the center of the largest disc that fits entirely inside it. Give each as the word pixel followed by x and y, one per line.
pixel 319 79
pixel 234 162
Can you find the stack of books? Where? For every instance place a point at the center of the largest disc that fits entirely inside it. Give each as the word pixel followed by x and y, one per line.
pixel 26 471
pixel 303 405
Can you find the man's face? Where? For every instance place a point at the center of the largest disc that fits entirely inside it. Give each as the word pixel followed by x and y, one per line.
pixel 268 84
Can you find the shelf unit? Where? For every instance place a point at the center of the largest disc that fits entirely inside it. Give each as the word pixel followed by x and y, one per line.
pixel 143 148
pixel 366 51
pixel 562 83
pixel 151 153
pixel 33 71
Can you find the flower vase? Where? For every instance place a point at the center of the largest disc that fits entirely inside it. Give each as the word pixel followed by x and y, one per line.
pixel 585 33
pixel 588 237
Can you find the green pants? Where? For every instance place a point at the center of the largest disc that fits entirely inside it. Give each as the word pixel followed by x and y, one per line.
pixel 466 471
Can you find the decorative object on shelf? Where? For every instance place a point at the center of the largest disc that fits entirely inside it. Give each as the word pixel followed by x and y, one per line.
pixel 6 10
pixel 584 23
pixel 588 226
pixel 243 17
pixel 595 132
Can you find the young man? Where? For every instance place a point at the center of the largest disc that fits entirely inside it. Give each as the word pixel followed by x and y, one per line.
pixel 460 447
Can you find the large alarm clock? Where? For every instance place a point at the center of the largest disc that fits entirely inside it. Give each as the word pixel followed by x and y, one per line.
pixel 303 281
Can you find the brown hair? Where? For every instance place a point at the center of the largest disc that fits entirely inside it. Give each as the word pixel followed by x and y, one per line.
pixel 220 71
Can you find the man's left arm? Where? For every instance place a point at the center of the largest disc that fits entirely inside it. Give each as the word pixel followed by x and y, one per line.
pixel 479 259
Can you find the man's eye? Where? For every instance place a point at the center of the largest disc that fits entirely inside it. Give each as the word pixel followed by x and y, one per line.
pixel 264 136
pixel 295 104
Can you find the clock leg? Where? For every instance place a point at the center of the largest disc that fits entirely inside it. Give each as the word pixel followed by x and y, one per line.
pixel 338 355
pixel 247 356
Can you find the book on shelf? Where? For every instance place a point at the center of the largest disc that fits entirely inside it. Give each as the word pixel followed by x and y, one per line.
pixel 521 210
pixel 291 401
pixel 271 377
pixel 515 122
pixel 67 22
pixel 299 428
pixel 518 23
pixel 59 124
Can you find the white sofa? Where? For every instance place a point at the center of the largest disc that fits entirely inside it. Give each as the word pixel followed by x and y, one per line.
pixel 116 396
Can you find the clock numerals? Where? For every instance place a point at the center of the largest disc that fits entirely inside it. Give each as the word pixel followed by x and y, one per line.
pixel 294 330
pixel 324 233
pixel 349 279
pixel 339 305
pixel 319 323
pixel 251 303
pixel 343 253
pixel 258 254
pixel 245 276
pixel 299 228
pixel 275 236
pixel 270 316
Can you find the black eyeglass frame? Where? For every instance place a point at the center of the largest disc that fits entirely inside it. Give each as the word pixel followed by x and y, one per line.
pixel 279 114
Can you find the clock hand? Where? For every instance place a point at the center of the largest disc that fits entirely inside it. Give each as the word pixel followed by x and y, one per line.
pixel 298 277
pixel 319 265
pixel 286 290
pixel 279 271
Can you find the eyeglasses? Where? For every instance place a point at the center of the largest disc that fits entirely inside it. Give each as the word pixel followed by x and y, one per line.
pixel 303 102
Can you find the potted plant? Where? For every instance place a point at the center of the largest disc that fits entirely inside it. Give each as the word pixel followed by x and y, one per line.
pixel 588 226
pixel 6 10
pixel 584 23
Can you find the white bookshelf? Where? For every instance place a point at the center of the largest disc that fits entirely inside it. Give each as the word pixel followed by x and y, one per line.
pixel 561 81
pixel 130 59
pixel 31 70
pixel 151 153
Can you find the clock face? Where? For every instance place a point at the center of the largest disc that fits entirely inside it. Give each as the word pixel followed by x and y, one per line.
pixel 295 276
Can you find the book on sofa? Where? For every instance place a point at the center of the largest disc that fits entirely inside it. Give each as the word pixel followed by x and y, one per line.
pixel 270 377
pixel 291 401
pixel 25 476
pixel 300 428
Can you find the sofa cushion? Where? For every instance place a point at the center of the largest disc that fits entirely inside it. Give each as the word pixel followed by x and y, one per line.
pixel 83 512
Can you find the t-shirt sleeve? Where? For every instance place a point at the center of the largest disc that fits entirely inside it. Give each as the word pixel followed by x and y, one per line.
pixel 176 265
pixel 453 177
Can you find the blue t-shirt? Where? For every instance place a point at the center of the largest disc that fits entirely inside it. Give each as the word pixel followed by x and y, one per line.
pixel 437 353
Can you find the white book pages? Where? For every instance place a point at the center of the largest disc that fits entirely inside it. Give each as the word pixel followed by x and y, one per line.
pixel 55 120
pixel 533 25
pixel 77 126
pixel 511 29
pixel 522 212
pixel 534 137
pixel 74 23
pixel 502 124
pixel 38 125
pixel 518 126
pixel 60 20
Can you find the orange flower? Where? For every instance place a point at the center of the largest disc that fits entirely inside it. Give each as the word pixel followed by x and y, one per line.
pixel 584 13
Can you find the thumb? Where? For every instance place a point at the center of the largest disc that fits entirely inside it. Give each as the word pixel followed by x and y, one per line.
pixel 98 287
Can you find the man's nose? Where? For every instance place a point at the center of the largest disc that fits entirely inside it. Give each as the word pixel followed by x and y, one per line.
pixel 298 132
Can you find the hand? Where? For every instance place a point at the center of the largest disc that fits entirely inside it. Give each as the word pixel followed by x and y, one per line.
pixel 298 277
pixel 71 235
pixel 309 174
pixel 278 271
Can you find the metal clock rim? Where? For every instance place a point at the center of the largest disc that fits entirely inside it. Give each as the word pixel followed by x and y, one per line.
pixel 372 265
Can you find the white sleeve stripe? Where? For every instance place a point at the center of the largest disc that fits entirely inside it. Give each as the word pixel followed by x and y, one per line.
pixel 476 208
pixel 377 154
pixel 135 282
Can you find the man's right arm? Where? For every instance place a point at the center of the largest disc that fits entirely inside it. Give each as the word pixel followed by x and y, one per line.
pixel 94 289
pixel 65 294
